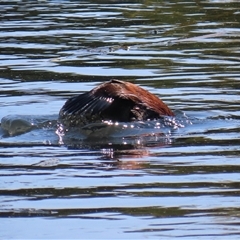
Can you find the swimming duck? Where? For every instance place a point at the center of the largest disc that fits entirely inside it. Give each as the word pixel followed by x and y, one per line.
pixel 116 101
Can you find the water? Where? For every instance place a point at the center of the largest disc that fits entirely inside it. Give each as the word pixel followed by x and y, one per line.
pixel 177 182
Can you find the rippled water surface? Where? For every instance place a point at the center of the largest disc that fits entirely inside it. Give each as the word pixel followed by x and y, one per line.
pixel 136 182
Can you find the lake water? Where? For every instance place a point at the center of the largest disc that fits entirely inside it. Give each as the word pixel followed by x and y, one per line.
pixel 174 182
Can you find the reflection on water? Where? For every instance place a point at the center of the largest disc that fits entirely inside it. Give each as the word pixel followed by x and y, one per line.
pixel 175 182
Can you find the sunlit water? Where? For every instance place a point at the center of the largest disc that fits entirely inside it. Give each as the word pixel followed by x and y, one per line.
pixel 137 180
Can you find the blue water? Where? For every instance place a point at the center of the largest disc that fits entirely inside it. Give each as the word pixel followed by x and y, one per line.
pixel 133 182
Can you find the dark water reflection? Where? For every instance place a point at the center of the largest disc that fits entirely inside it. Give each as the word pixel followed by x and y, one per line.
pixel 181 184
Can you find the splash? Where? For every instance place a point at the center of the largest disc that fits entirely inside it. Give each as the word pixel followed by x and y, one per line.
pixel 136 133
pixel 14 125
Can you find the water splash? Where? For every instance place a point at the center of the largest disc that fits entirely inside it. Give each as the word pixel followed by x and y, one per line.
pixel 14 125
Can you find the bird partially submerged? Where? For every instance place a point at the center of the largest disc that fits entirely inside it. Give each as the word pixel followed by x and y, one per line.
pixel 115 101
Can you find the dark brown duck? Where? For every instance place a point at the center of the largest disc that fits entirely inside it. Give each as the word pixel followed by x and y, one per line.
pixel 113 100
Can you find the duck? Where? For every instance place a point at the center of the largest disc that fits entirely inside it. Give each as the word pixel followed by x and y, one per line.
pixel 116 101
